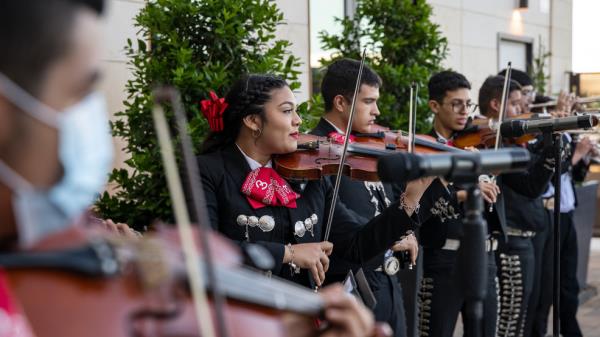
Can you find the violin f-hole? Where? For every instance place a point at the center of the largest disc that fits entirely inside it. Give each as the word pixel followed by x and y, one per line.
pixel 319 160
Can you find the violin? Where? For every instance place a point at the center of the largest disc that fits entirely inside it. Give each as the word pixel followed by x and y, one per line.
pixel 425 144
pixel 318 156
pixel 480 132
pixel 81 283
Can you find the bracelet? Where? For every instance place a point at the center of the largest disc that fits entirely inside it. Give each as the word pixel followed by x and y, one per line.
pixel 407 234
pixel 293 267
pixel 407 207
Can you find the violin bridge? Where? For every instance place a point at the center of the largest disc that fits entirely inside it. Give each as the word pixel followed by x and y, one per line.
pixel 151 264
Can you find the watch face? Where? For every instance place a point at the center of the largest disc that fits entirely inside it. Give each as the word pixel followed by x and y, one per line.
pixel 391 265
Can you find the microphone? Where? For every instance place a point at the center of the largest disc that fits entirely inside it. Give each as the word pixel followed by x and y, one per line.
pixel 519 127
pixel 403 167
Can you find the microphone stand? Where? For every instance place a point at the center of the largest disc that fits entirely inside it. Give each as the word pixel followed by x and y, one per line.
pixel 472 255
pixel 558 148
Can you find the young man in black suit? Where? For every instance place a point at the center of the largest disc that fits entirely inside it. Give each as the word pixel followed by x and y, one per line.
pixel 441 217
pixel 364 200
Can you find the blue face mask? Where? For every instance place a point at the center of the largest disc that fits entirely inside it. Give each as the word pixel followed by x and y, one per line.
pixel 85 152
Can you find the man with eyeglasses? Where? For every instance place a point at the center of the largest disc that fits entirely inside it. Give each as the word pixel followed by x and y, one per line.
pixel 451 108
pixel 528 92
pixel 440 295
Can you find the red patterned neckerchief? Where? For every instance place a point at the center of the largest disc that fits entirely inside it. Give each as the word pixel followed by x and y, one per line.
pixel 264 187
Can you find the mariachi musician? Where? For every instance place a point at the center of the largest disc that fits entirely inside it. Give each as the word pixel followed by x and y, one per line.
pixel 249 201
pixel 365 200
pixel 440 292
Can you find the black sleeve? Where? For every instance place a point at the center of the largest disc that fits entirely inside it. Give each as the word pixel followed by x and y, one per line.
pixel 579 171
pixel 211 184
pixel 534 181
pixel 359 243
pixel 433 194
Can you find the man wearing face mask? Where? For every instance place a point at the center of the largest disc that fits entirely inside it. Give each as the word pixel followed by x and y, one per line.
pixel 55 145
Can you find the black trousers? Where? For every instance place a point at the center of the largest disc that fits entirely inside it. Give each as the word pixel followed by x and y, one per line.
pixel 569 286
pixel 390 306
pixel 441 299
pixel 516 270
pixel 542 247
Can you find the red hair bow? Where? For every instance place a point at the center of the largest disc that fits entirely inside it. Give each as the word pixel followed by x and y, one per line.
pixel 213 109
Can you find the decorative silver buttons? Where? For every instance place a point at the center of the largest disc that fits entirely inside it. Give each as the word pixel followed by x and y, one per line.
pixel 300 227
pixel 308 224
pixel 242 220
pixel 252 221
pixel 266 223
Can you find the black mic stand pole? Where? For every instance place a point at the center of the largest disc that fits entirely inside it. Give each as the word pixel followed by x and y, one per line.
pixel 558 148
pixel 472 256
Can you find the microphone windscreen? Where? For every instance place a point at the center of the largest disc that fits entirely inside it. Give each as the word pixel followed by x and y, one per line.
pixel 512 128
pixel 585 121
pixel 399 167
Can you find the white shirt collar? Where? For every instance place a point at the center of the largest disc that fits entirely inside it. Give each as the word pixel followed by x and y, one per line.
pixel 338 130
pixel 441 137
pixel 251 162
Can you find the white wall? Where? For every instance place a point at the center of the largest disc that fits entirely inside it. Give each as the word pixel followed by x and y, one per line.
pixel 472 28
pixel 296 30
pixel 118 26
pixel 562 43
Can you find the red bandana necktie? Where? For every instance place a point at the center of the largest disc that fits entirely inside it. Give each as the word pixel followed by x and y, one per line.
pixel 264 187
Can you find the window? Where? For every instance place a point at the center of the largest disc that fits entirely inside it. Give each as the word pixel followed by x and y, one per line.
pixel 514 49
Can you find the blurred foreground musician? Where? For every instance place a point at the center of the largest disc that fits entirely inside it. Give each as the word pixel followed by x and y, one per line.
pixel 55 146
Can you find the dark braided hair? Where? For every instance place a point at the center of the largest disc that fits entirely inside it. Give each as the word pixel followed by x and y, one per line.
pixel 247 96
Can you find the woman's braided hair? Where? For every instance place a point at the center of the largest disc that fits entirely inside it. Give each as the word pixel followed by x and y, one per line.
pixel 247 96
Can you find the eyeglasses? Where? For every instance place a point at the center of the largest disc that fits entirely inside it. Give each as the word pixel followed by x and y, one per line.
pixel 458 107
pixel 529 93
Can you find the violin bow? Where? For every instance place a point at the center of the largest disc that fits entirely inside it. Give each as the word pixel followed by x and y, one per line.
pixel 412 116
pixel 501 114
pixel 338 177
pixel 502 111
pixel 182 218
